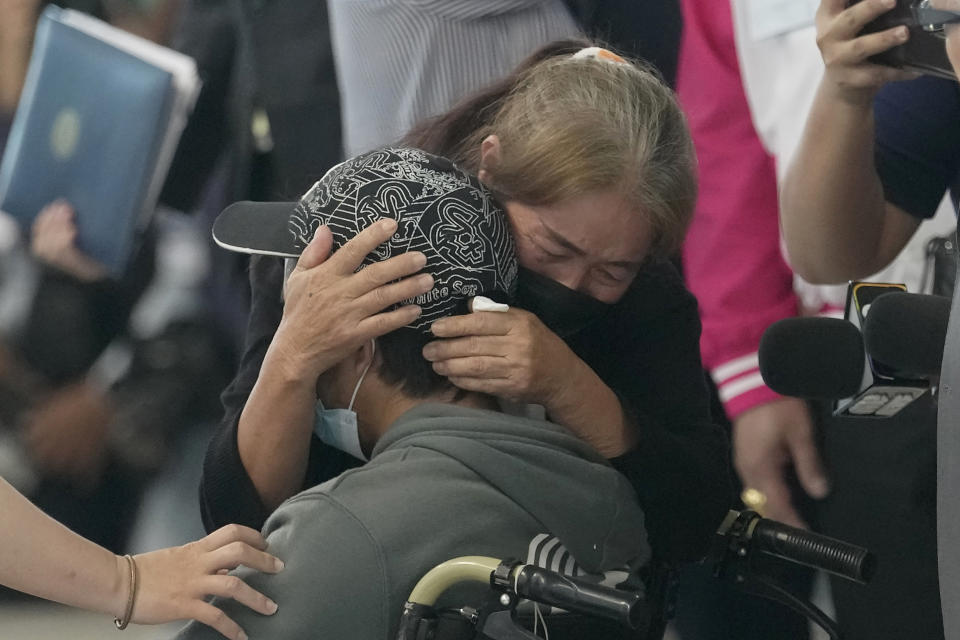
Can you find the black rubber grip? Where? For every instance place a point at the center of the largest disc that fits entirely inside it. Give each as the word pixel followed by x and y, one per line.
pixel 814 550
pixel 578 596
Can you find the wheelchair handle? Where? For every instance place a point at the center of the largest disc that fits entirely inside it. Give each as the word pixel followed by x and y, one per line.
pixel 443 576
pixel 743 532
pixel 572 594
pixel 814 550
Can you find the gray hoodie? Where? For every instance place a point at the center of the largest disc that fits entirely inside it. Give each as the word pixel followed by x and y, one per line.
pixel 444 481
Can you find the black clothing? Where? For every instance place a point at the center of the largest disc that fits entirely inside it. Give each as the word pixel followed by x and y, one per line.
pixel 918 143
pixel 902 498
pixel 646 349
pixel 645 29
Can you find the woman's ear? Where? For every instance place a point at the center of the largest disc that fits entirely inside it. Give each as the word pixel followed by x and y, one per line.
pixel 489 158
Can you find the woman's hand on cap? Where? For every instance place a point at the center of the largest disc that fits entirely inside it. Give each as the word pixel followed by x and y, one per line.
pixel 511 355
pixel 174 583
pixel 848 72
pixel 331 308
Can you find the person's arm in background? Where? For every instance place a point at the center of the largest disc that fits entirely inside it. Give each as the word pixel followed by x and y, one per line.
pixel 836 221
pixel 42 557
pixel 16 34
pixel 733 265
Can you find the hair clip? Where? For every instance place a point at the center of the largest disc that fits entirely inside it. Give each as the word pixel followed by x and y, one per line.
pixel 599 53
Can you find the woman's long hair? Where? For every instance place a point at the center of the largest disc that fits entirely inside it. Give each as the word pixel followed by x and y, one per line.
pixel 571 125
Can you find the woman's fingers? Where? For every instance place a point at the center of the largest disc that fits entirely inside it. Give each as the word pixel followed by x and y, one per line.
pixel 486 367
pixel 234 554
pixel 317 251
pixel 236 589
pixel 218 620
pixel 350 256
pixel 231 533
pixel 389 270
pixel 501 387
pixel 875 75
pixel 484 323
pixel 845 22
pixel 389 294
pixel 465 347
pixel 859 49
pixel 383 323
pixel 853 19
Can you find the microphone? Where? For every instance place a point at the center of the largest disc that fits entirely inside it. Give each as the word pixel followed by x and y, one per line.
pixel 824 358
pixel 818 358
pixel 905 333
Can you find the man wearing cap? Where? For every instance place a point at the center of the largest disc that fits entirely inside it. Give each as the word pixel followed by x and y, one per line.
pixel 449 475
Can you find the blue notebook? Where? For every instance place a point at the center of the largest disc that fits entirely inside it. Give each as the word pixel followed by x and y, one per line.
pixel 93 127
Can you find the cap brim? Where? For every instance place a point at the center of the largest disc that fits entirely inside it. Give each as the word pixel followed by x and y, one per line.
pixel 256 227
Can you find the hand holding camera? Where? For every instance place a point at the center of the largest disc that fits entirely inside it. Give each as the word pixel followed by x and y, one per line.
pixel 848 51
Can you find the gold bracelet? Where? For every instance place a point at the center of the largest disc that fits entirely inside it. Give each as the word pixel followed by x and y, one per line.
pixel 123 622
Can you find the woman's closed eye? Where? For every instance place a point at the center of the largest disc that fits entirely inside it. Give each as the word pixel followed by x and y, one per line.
pixel 552 252
pixel 614 275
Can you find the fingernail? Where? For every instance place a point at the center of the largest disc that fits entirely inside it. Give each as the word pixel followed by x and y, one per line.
pixel 242 636
pixel 428 352
pixel 902 33
pixel 425 280
pixel 819 487
pixel 888 3
pixel 278 564
pixel 388 223
pixel 419 259
pixel 272 606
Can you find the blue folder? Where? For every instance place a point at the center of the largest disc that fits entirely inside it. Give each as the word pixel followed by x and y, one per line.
pixel 88 128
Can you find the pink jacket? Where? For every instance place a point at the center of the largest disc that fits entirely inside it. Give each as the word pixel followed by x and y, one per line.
pixel 732 256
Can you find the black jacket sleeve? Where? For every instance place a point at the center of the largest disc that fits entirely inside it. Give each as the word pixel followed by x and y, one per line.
pixel 917 151
pixel 227 494
pixel 647 350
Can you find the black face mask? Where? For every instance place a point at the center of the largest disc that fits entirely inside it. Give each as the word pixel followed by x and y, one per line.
pixel 564 311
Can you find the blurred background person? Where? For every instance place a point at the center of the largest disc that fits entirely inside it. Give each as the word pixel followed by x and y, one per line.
pixel 889 168
pixel 647 30
pixel 399 62
pixel 733 262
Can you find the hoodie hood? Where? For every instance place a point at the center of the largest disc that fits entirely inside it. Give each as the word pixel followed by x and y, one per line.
pixel 542 467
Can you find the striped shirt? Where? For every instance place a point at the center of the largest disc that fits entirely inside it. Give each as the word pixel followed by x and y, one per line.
pixel 399 61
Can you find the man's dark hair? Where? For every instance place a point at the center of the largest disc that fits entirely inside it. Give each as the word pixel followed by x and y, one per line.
pixel 403 364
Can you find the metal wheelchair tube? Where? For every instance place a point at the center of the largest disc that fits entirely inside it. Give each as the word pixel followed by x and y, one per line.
pixel 444 576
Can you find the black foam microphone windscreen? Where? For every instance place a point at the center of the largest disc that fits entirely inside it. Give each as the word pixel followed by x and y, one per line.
pixel 906 332
pixel 812 358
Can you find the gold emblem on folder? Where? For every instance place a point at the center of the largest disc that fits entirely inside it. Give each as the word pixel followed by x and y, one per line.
pixel 65 133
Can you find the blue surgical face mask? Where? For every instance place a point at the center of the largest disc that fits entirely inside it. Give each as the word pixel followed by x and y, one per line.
pixel 338 427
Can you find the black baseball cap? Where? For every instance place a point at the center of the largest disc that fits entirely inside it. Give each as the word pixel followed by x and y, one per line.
pixel 440 210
